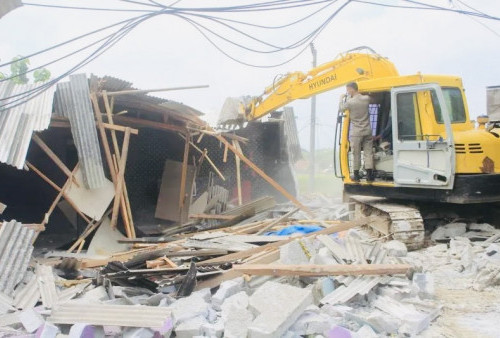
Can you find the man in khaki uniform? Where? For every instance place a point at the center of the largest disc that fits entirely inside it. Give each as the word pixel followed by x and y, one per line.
pixel 361 131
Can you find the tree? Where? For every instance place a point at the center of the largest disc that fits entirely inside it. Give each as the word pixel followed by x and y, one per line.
pixel 19 68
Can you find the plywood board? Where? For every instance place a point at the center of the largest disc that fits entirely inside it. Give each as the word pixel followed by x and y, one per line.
pixel 105 241
pixel 167 207
pixel 92 202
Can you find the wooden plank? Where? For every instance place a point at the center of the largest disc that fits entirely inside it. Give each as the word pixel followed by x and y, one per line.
pixel 314 270
pixel 327 231
pixel 238 172
pixel 182 193
pixel 120 178
pixel 263 258
pixel 262 174
pixel 58 197
pixel 123 206
pixel 167 206
pixel 145 91
pixel 104 138
pixel 54 157
pixel 210 216
pixel 65 124
pixel 276 221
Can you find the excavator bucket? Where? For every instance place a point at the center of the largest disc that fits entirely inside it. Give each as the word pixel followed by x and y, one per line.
pixel 233 111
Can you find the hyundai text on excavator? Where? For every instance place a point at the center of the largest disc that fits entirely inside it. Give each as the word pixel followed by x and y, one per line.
pixel 435 157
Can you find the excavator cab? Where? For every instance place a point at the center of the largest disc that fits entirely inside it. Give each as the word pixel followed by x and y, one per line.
pixel 419 144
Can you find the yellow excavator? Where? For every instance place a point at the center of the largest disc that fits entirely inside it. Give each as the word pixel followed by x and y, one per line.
pixel 432 152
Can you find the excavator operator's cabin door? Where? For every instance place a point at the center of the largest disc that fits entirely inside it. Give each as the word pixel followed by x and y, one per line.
pixel 421 160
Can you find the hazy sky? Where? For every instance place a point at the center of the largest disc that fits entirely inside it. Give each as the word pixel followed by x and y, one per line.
pixel 168 52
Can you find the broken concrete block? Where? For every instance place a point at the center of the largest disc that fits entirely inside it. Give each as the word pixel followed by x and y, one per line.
pixel 47 330
pixel 277 307
pixel 449 231
pixel 365 332
pixel 412 321
pixel 487 276
pixel 213 330
pixel 299 251
pixel 189 307
pixel 81 330
pixel 324 257
pixel 238 301
pixel 138 332
pixel 492 253
pixel 395 248
pixel 424 283
pixel 339 332
pixel 227 289
pixel 236 321
pixel 165 330
pixel 312 321
pixel 31 320
pixel 482 227
pixel 378 320
pixel 112 330
pixel 190 327
pixel 205 294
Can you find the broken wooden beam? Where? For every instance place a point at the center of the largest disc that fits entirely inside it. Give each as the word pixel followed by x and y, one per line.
pixel 211 216
pixel 276 221
pixel 314 270
pixel 56 123
pixel 271 246
pixel 120 178
pixel 54 157
pixel 262 174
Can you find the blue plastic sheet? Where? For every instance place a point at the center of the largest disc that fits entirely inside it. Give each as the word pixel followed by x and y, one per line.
pixel 295 229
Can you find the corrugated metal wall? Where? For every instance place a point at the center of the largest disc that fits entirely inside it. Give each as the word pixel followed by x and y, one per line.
pixel 15 252
pixel 73 101
pixel 18 123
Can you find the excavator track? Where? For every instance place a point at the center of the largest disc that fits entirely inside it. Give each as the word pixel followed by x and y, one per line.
pixel 394 219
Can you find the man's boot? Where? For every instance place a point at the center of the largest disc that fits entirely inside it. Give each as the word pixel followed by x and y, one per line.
pixel 355 176
pixel 370 177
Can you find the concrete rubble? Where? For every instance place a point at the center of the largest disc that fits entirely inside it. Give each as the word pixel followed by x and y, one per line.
pixel 118 296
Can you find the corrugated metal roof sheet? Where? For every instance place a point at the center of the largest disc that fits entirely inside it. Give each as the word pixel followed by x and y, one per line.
pixel 361 285
pixel 8 5
pixel 104 314
pixel 47 285
pixel 73 101
pixel 27 295
pixel 15 252
pixel 18 123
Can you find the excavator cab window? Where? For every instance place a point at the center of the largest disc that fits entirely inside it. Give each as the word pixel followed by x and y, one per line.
pixel 408 117
pixel 454 102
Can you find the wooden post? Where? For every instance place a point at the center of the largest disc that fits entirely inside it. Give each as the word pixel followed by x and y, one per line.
pixel 123 206
pixel 54 157
pixel 120 177
pixel 104 139
pixel 182 197
pixel 126 212
pixel 238 172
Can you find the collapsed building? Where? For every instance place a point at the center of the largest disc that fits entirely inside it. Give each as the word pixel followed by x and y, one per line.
pixel 70 150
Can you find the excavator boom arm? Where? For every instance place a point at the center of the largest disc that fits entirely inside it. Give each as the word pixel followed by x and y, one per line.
pixel 348 67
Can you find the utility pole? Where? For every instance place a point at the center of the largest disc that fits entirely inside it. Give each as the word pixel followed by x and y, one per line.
pixel 312 142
